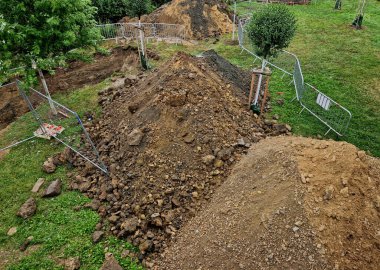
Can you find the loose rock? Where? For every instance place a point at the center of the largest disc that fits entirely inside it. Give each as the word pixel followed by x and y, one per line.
pixel 28 209
pixel 38 184
pixel 54 189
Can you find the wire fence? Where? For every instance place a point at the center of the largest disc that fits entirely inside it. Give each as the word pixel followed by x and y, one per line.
pixel 336 117
pixel 128 31
pixel 60 123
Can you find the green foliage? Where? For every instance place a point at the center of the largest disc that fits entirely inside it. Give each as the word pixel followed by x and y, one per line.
pixel 110 10
pixel 114 10
pixel 137 8
pixel 271 29
pixel 44 31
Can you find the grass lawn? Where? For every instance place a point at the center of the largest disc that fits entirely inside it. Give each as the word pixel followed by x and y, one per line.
pixel 339 61
pixel 59 231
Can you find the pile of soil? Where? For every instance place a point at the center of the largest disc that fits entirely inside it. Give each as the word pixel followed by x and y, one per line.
pixel 291 203
pixel 201 18
pixel 169 140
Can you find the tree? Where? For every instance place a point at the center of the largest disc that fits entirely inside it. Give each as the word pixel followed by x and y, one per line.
pixel 271 29
pixel 110 10
pixel 44 31
pixel 137 8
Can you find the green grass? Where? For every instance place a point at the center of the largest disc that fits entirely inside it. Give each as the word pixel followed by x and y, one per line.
pixel 341 62
pixel 58 230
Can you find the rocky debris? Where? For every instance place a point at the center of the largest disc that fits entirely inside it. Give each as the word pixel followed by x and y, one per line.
pixel 145 246
pixel 135 137
pixel 54 189
pixel 26 243
pixel 166 161
pixel 329 192
pixel 49 166
pixel 38 184
pixel 97 236
pixel 28 209
pixel 265 217
pixel 209 159
pixel 72 263
pixel 110 263
pixel 12 231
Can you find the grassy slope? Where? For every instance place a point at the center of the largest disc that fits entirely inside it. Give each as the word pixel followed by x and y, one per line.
pixel 59 231
pixel 341 62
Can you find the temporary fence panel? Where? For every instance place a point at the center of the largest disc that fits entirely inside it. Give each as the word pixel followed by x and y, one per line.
pixel 159 31
pixel 336 117
pixel 66 126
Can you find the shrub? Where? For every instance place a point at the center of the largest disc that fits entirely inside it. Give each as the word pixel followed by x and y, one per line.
pixel 271 29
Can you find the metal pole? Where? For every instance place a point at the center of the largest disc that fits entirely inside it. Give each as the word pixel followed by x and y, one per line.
pixel 234 22
pixel 45 87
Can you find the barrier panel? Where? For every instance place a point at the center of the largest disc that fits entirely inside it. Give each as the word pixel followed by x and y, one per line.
pixel 65 126
pixel 336 117
pixel 159 31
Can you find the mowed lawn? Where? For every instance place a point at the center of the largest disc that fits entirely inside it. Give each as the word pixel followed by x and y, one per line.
pixel 339 61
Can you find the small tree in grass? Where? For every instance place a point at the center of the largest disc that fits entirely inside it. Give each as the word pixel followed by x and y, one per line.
pixel 271 29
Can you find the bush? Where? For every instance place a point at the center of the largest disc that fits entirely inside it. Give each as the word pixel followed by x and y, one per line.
pixel 115 10
pixel 271 29
pixel 44 31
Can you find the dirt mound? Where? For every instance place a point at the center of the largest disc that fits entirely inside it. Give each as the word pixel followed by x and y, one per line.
pixel 291 203
pixel 79 74
pixel 169 141
pixel 201 18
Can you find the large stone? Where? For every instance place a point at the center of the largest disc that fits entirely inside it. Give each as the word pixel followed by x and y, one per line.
pixel 208 159
pixel 130 225
pixel 110 263
pixel 49 165
pixel 97 236
pixel 12 231
pixel 53 189
pixel 72 263
pixel 28 209
pixel 145 246
pixel 135 137
pixel 38 185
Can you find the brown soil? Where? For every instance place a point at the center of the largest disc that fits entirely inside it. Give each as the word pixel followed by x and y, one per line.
pixel 186 112
pixel 201 18
pixel 77 75
pixel 11 105
pixel 291 203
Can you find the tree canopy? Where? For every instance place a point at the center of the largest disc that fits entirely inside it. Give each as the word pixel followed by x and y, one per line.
pixel 44 30
pixel 271 29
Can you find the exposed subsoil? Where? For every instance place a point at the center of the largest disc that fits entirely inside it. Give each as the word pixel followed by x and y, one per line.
pixel 201 18
pixel 169 139
pixel 290 203
pixel 77 75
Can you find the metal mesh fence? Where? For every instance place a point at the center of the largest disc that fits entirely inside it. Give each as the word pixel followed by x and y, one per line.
pixel 159 31
pixel 329 112
pixel 65 126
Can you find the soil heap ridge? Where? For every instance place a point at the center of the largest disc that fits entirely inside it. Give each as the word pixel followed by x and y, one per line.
pixel 201 18
pixel 169 139
pixel 290 203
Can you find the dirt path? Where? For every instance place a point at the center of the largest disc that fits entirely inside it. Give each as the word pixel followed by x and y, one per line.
pixel 291 203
